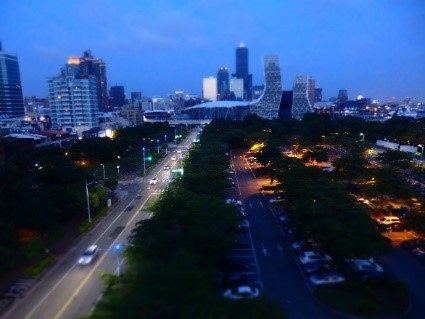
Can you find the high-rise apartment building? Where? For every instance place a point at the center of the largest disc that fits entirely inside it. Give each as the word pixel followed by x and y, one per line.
pixel 303 96
pixel 73 100
pixel 268 104
pixel 317 94
pixel 223 85
pixel 242 70
pixel 209 88
pixel 11 101
pixel 97 68
pixel 117 96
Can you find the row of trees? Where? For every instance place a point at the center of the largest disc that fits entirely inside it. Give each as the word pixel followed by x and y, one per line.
pixel 174 256
pixel 42 190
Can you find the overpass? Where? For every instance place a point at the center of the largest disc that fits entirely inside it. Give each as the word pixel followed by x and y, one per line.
pixel 179 122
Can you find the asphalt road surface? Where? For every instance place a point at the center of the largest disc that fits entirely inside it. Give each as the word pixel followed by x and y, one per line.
pixel 69 291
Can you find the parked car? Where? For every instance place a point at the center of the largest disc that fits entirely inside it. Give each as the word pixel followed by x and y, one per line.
pixel 412 243
pixel 153 181
pixel 419 251
pixel 326 279
pixel 89 255
pixel 311 256
pixel 242 292
pixel 389 220
pixel 366 268
pixel 319 267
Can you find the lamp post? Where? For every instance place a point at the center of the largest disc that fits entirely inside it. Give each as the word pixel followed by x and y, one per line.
pixel 165 141
pixel 422 149
pixel 175 136
pixel 118 170
pixel 157 141
pixel 103 167
pixel 362 135
pixel 144 161
pixel 88 200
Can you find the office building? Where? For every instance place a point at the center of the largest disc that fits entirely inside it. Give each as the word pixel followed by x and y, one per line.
pixel 116 97
pixel 209 88
pixel 73 100
pixel 223 85
pixel 342 96
pixel 303 96
pixel 236 88
pixel 268 104
pixel 317 94
pixel 11 101
pixel 242 70
pixel 97 68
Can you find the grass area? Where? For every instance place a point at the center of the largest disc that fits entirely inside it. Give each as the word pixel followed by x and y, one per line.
pixel 38 268
pixel 369 298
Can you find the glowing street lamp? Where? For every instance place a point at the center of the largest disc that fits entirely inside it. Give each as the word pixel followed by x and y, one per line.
pixel 103 167
pixel 144 161
pixel 118 170
pixel 362 135
pixel 88 200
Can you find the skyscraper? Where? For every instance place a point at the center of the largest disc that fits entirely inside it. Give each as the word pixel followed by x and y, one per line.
pixel 303 96
pixel 242 70
pixel 223 83
pixel 73 100
pixel 342 96
pixel 117 96
pixel 209 88
pixel 268 104
pixel 96 67
pixel 11 101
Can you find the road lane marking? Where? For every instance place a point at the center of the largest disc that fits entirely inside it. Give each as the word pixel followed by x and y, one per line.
pixel 250 205
pixel 261 204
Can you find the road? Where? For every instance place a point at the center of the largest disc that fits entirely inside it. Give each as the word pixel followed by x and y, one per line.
pixel 69 291
pixel 282 278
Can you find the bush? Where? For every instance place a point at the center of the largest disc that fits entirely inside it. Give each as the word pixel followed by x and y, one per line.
pixel 40 266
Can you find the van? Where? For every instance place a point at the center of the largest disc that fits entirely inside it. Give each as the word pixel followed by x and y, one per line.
pixel 389 220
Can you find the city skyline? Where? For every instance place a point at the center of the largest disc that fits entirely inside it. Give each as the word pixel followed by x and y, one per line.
pixel 369 48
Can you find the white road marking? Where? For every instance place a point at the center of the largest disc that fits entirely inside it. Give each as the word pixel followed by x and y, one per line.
pixel 264 249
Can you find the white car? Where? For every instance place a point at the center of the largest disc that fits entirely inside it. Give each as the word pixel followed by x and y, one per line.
pixel 365 265
pixel 153 181
pixel 89 255
pixel 241 292
pixel 312 256
pixel 326 279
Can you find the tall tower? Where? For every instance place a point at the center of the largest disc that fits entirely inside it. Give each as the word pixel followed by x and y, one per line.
pixel 242 70
pixel 303 96
pixel 73 99
pixel 268 104
pixel 11 101
pixel 342 96
pixel 209 88
pixel 223 83
pixel 117 96
pixel 96 67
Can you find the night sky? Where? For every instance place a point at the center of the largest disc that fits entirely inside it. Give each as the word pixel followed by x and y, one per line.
pixel 374 48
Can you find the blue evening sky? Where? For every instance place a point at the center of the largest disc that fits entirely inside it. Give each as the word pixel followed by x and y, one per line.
pixel 374 48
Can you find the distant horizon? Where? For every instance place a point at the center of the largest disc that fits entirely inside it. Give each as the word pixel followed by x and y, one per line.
pixel 373 48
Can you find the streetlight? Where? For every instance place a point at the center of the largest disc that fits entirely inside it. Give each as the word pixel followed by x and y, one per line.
pixel 165 141
pixel 175 136
pixel 144 161
pixel 422 149
pixel 118 170
pixel 362 135
pixel 88 200
pixel 157 141
pixel 103 167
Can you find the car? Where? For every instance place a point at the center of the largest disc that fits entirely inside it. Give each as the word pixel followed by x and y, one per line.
pixel 326 279
pixel 389 220
pixel 412 243
pixel 365 266
pixel 167 167
pixel 419 251
pixel 173 158
pixel 241 292
pixel 153 181
pixel 311 256
pixel 319 267
pixel 89 255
